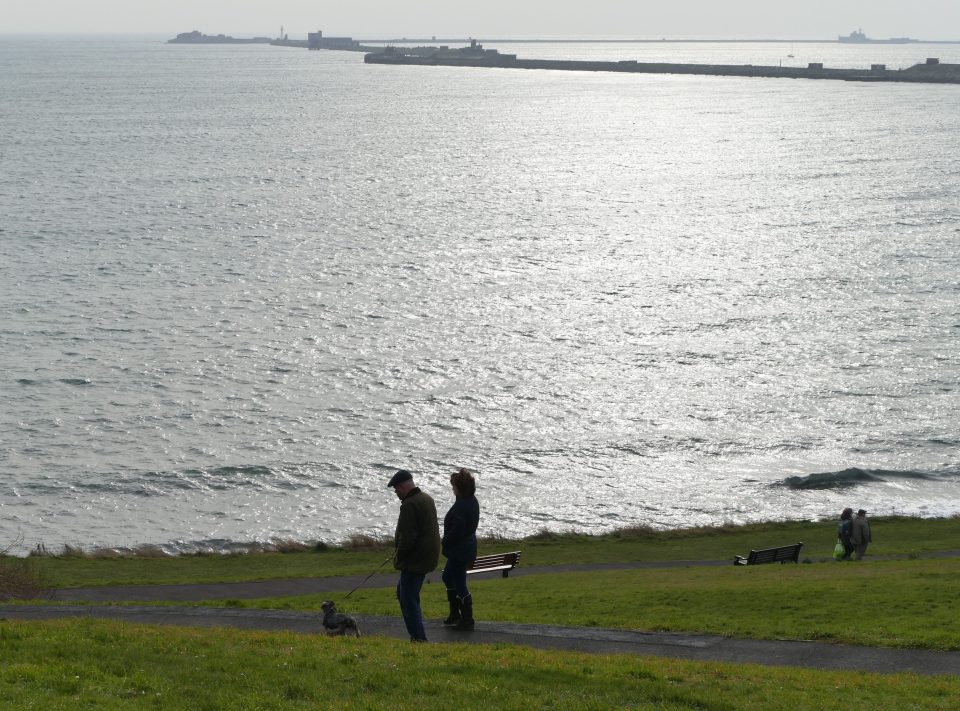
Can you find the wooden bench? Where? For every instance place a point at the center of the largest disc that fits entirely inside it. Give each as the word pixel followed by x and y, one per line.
pixel 499 561
pixel 781 554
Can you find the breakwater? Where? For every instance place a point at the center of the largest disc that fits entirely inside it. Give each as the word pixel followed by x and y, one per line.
pixel 476 56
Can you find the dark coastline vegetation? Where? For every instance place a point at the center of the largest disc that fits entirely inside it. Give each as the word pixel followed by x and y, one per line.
pixel 19 578
pixel 894 536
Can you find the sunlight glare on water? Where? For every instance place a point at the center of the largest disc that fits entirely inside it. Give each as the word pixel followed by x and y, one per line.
pixel 242 284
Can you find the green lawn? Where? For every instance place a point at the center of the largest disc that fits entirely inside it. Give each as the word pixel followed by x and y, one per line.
pixel 893 536
pixel 909 602
pixel 904 603
pixel 912 602
pixel 87 664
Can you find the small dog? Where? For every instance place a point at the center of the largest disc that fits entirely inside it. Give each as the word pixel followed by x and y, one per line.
pixel 337 623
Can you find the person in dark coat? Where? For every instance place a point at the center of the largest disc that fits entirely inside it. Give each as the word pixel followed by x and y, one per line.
pixel 416 549
pixel 845 532
pixel 460 548
pixel 860 535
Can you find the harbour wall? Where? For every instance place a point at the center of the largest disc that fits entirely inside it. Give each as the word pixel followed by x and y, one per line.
pixel 932 72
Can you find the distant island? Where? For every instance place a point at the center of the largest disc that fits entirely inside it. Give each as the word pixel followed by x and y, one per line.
pixel 317 40
pixel 197 37
pixel 857 37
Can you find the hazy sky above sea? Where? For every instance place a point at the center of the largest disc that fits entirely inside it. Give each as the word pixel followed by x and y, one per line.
pixel 385 19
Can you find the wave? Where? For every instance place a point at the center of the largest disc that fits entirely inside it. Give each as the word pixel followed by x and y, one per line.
pixel 848 478
pixel 210 546
pixel 289 477
pixel 81 382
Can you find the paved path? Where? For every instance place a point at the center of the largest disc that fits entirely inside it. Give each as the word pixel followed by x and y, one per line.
pixel 816 655
pixel 306 586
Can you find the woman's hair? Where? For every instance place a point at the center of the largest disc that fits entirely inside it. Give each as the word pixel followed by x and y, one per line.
pixel 463 480
pixel 847 513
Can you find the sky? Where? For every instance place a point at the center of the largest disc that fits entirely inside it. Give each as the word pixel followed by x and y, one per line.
pixel 389 19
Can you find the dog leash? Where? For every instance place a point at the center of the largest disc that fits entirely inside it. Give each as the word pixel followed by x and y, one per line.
pixel 372 573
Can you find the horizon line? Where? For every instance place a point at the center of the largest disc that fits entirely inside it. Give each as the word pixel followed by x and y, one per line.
pixel 507 39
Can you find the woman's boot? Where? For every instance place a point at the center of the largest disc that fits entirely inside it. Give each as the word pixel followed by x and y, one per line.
pixel 454 601
pixel 466 614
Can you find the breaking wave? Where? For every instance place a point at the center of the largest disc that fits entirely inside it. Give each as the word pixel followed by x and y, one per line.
pixel 848 478
pixel 289 477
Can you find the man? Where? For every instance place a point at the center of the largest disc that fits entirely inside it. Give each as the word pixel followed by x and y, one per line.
pixel 416 548
pixel 860 536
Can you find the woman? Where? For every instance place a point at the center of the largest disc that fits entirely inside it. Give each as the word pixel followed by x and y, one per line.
pixel 845 532
pixel 460 548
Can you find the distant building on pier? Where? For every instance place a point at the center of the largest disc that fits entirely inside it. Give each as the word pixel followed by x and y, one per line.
pixel 316 40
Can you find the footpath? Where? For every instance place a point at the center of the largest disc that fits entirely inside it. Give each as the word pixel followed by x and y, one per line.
pixel 810 654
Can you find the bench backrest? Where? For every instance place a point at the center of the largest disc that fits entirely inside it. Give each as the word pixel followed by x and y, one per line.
pixel 780 554
pixel 498 561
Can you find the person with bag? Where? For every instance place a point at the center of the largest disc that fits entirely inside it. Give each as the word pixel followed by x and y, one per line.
pixel 844 547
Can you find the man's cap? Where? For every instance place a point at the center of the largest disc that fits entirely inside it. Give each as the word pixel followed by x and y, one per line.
pixel 401 476
pixel 862 512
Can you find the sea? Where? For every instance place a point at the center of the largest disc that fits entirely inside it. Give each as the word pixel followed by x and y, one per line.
pixel 241 285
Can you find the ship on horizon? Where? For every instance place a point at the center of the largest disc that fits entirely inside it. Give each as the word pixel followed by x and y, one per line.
pixel 858 37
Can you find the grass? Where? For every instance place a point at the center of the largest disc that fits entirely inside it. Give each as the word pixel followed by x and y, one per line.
pixel 908 603
pixel 893 536
pixel 90 571
pixel 144 667
pixel 70 664
pixel 878 602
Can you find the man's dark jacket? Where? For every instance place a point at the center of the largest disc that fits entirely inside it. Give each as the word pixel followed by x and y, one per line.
pixel 417 540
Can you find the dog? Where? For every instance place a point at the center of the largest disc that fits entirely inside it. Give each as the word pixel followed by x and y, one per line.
pixel 337 623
